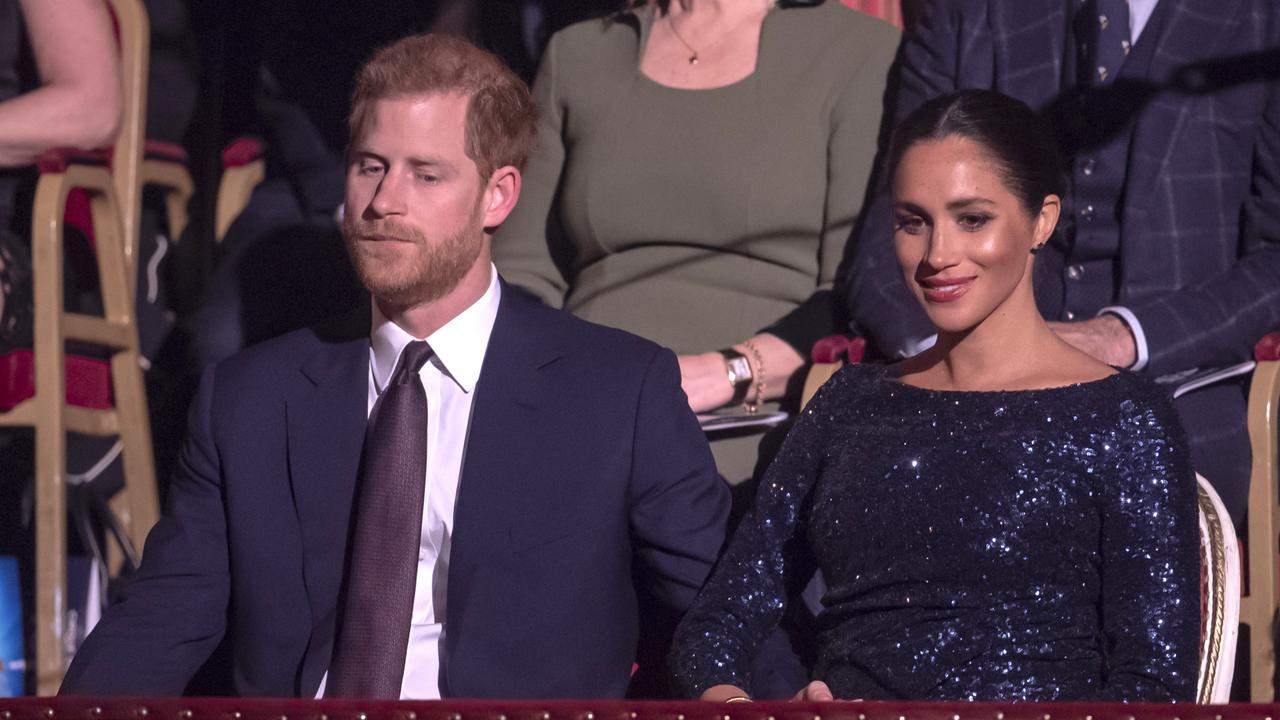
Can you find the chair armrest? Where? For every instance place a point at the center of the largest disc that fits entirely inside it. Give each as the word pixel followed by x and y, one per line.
pixel 57 159
pixel 838 348
pixel 1268 348
pixel 161 150
pixel 241 152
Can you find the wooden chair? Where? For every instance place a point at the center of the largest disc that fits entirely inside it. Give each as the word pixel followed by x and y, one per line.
pixel 1219 597
pixel 243 168
pixel 1258 607
pixel 55 393
pixel 164 166
pixel 1222 609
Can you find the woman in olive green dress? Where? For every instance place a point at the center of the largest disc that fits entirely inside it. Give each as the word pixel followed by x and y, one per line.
pixel 701 165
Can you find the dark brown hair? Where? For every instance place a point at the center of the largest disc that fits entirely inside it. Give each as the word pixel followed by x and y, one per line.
pixel 501 119
pixel 1014 137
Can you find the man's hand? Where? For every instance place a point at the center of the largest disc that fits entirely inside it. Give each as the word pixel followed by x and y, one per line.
pixel 1105 337
pixel 816 691
pixel 705 380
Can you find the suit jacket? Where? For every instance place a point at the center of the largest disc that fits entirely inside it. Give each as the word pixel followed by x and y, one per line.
pixel 1199 246
pixel 582 457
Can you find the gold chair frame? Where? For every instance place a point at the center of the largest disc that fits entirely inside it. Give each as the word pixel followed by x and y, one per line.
pixel 115 207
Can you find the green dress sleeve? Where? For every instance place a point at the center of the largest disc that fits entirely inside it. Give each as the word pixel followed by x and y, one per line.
pixel 851 150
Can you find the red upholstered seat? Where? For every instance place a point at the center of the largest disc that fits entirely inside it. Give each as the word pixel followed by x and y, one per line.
pixel 88 380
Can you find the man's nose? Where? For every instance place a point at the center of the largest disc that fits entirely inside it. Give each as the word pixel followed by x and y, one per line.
pixel 388 197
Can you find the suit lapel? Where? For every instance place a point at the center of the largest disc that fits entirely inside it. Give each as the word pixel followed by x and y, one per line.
pixel 511 397
pixel 326 416
pixel 1182 38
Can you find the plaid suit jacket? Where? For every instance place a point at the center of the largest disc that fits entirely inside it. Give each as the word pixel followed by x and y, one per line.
pixel 1199 252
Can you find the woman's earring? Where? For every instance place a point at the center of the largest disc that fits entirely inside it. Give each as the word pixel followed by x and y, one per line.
pixel 1036 248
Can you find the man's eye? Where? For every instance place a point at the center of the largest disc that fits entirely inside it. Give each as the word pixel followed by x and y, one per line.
pixel 910 224
pixel 370 169
pixel 429 179
pixel 974 221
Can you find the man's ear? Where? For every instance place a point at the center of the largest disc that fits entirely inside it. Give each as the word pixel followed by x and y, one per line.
pixel 500 195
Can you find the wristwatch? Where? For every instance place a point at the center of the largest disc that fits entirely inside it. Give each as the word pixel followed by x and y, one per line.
pixel 739 371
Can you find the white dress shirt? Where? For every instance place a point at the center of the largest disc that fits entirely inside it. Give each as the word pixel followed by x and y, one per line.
pixel 449 379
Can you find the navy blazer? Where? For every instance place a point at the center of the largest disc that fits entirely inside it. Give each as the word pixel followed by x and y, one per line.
pixel 1199 257
pixel 582 457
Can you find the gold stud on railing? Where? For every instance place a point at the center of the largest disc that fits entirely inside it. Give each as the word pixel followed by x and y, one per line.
pixel 140 712
pixel 96 710
pixel 1046 717
pixel 411 715
pixel 184 714
pixel 48 712
pixel 362 716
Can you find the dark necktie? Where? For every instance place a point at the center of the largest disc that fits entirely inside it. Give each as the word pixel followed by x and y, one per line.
pixel 368 657
pixel 1104 40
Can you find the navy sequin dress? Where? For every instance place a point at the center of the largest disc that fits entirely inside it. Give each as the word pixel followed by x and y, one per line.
pixel 1026 545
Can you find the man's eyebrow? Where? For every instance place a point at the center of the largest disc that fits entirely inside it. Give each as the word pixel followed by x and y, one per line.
pixel 429 161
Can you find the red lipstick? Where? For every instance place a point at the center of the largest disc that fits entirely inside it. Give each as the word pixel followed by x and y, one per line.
pixel 945 290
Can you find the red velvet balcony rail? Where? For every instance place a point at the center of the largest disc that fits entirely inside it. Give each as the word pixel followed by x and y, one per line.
pixel 237 709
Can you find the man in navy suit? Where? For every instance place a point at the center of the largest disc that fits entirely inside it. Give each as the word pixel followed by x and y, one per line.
pixel 1168 258
pixel 562 463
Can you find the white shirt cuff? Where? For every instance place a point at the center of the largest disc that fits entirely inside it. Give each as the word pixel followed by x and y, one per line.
pixel 1135 327
pixel 915 346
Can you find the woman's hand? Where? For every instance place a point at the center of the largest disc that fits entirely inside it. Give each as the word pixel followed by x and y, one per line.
pixel 724 693
pixel 816 691
pixel 705 380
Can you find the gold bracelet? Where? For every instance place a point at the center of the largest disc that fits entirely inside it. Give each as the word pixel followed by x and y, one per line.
pixel 757 372
pixel 737 698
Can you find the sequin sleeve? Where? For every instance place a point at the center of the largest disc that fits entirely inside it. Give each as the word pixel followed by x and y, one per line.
pixel 1150 556
pixel 745 597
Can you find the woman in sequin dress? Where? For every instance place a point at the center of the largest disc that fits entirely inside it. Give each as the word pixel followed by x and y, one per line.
pixel 998 518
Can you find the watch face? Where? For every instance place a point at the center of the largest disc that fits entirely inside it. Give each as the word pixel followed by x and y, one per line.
pixel 740 370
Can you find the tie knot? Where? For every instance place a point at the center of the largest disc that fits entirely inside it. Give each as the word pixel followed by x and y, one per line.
pixel 412 358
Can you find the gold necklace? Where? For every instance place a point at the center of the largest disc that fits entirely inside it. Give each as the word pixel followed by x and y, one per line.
pixel 693 52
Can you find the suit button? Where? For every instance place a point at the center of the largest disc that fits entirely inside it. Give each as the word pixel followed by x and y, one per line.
pixel 1068 315
pixel 1087 166
pixel 1087 212
pixel 1075 272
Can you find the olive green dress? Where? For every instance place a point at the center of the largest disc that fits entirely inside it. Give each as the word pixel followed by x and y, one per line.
pixel 697 218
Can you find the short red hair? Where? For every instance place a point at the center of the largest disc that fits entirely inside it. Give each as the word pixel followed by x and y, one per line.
pixel 501 119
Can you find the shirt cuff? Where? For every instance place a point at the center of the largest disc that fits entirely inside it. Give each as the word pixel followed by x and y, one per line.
pixel 914 346
pixel 1135 327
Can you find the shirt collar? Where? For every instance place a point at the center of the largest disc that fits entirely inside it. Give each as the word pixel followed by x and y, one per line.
pixel 459 345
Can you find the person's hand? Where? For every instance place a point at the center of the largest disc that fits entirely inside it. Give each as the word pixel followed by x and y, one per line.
pixel 705 380
pixel 816 691
pixel 1106 338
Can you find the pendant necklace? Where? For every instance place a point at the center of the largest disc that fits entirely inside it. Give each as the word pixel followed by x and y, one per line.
pixel 693 52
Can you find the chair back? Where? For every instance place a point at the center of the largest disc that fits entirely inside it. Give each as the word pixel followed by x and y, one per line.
pixel 1219 597
pixel 133 32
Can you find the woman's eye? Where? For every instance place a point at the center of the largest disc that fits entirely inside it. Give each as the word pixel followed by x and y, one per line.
pixel 974 222
pixel 910 224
